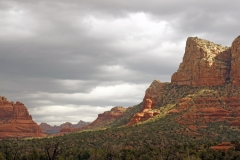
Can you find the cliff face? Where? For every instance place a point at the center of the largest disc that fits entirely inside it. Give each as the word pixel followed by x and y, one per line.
pixel 154 92
pixel 15 121
pixel 204 64
pixel 235 62
pixel 208 64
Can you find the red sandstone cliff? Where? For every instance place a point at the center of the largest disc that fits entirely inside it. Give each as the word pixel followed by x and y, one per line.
pixel 204 64
pixel 15 121
pixel 235 62
pixel 154 92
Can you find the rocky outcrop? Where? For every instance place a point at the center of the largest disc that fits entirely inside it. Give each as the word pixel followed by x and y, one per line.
pixel 108 117
pixel 204 64
pixel 15 121
pixel 153 97
pixel 235 62
pixel 144 114
pixel 224 146
pixel 154 92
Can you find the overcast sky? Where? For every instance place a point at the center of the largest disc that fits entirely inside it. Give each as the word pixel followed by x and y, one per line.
pixel 71 60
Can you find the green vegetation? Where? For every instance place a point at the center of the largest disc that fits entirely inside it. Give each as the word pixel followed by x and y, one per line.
pixel 160 137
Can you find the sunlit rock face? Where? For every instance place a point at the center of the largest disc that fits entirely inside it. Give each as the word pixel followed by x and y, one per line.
pixel 204 64
pixel 144 114
pixel 235 62
pixel 15 121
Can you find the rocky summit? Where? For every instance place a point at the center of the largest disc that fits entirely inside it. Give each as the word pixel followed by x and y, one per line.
pixel 208 64
pixel 15 121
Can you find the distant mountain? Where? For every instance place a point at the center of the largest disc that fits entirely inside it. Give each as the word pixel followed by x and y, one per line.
pixel 46 128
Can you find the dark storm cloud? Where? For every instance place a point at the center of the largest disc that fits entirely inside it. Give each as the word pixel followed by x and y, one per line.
pixel 99 54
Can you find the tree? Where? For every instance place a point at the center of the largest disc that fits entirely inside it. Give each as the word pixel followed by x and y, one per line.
pixel 52 150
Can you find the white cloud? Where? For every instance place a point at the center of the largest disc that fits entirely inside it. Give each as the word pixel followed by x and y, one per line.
pixel 116 93
pixel 137 31
pixel 58 114
pixel 78 58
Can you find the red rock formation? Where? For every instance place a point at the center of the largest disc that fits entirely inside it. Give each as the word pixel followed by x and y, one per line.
pixel 223 146
pixel 154 92
pixel 153 96
pixel 204 64
pixel 235 62
pixel 15 121
pixel 108 117
pixel 145 114
pixel 207 108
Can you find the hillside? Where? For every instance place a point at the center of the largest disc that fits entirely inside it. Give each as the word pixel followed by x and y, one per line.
pixel 204 89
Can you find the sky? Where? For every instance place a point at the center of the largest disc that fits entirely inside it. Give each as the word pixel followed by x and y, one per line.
pixel 71 60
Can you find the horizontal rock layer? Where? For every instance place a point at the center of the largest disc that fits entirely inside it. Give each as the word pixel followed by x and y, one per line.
pixel 15 121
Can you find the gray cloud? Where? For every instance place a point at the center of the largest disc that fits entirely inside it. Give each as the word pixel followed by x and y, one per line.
pixel 99 53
